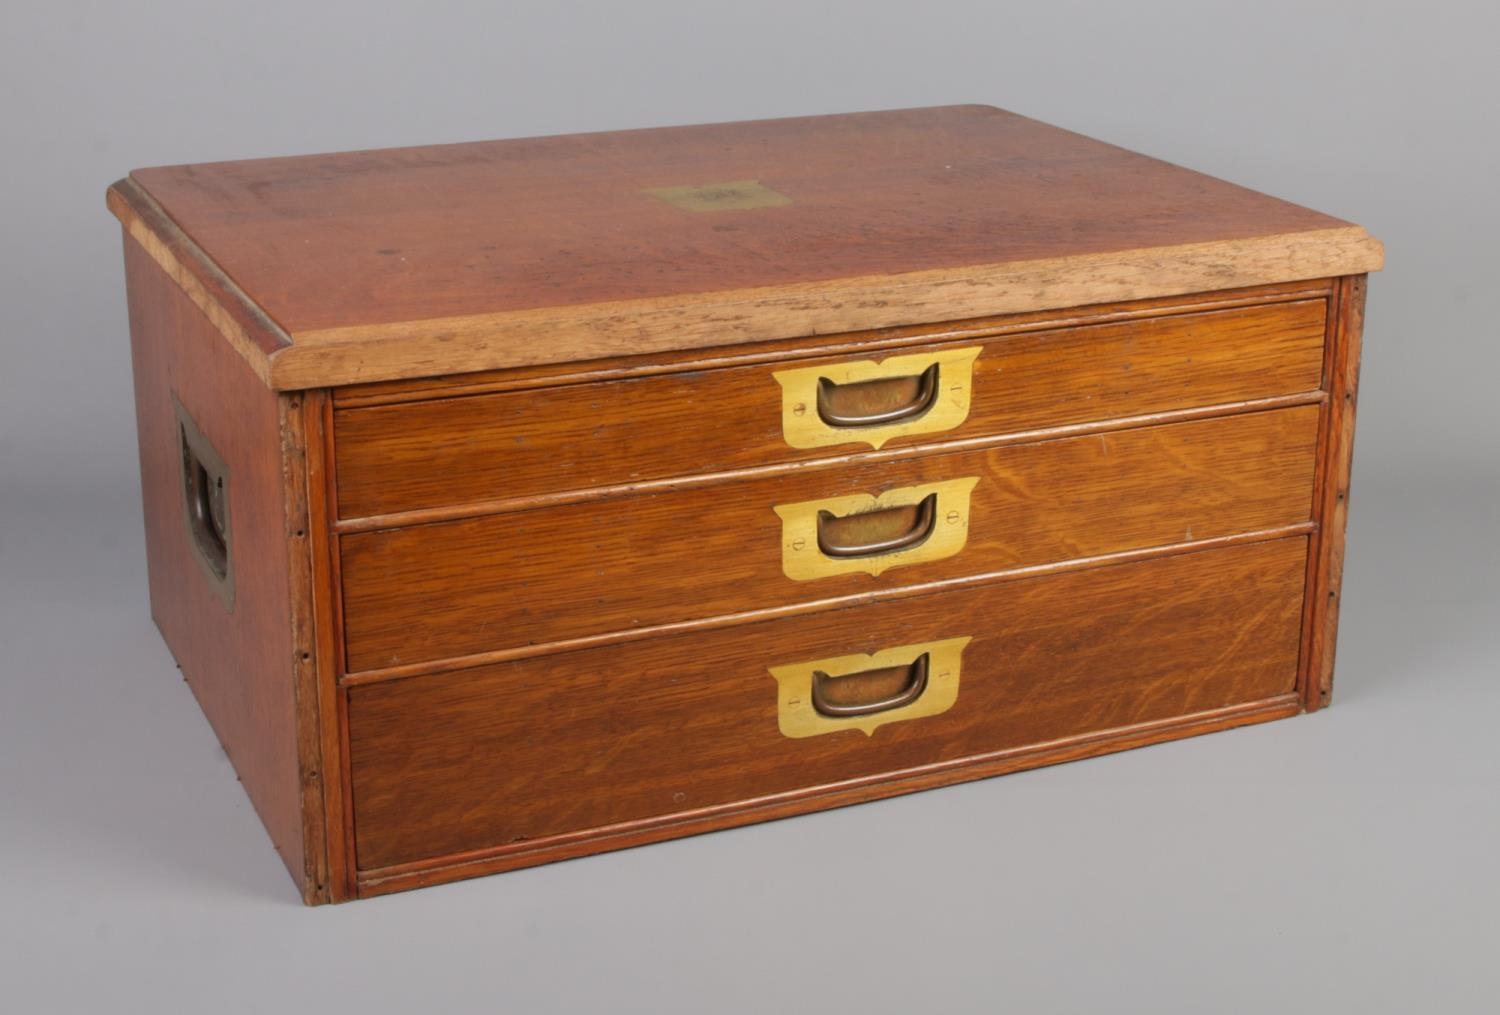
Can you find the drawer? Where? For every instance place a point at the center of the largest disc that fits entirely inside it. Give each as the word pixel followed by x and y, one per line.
pixel 640 731
pixel 517 444
pixel 549 575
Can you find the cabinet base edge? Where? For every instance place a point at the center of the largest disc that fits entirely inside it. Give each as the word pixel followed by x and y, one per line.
pixel 533 853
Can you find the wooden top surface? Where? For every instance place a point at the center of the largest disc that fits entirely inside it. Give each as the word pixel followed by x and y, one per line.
pixel 441 259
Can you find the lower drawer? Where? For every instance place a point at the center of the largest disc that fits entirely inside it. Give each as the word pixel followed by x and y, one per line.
pixel 640 731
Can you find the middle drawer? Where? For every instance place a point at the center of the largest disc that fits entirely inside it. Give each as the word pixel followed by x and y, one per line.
pixel 504 581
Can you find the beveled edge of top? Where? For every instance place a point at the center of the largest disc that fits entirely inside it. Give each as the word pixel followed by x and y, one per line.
pixel 242 322
pixel 405 350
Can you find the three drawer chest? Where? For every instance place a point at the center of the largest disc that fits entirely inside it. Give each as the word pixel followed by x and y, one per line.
pixel 512 501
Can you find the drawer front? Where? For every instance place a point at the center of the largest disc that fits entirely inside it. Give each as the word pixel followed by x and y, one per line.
pixel 551 574
pixel 643 730
pixel 484 448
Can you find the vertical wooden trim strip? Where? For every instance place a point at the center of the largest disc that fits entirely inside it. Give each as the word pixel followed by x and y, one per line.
pixel 317 697
pixel 302 593
pixel 1315 508
pixel 333 700
pixel 1331 507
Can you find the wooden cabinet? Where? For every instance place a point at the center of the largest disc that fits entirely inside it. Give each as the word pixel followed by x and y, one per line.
pixel 518 500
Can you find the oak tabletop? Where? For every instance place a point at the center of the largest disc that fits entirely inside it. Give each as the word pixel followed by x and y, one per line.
pixel 379 264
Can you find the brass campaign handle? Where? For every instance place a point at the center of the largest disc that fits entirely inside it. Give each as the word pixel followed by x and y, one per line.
pixel 823 693
pixel 871 533
pixel 204 496
pixel 869 403
pixel 867 690
pixel 847 536
pixel 203 477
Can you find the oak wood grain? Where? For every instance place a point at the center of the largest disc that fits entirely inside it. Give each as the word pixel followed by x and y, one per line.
pixel 527 750
pixel 476 509
pixel 659 558
pixel 494 447
pixel 756 615
pixel 358 353
pixel 560 253
pixel 860 342
pixel 530 853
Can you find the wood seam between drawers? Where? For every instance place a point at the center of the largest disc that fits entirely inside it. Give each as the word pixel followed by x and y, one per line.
pixel 429 516
pixel 870 787
pixel 587 372
pixel 455 663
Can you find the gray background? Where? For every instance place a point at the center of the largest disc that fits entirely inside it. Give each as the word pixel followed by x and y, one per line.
pixel 1340 862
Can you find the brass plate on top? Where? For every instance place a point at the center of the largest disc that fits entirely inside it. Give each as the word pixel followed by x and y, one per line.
pixel 732 195
pixel 803 425
pixel 798 718
pixel 802 559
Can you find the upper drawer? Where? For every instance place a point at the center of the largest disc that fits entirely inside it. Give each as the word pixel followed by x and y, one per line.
pixel 516 444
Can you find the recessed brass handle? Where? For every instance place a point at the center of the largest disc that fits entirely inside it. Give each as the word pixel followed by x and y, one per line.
pixel 840 697
pixel 205 504
pixel 865 691
pixel 871 533
pixel 877 402
pixel 205 482
pixel 869 402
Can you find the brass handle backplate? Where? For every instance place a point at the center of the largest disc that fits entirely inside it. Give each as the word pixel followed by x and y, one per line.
pixel 873 533
pixel 865 692
pixel 865 402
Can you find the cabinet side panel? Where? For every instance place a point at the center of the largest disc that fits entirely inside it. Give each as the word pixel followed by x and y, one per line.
pixel 236 651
